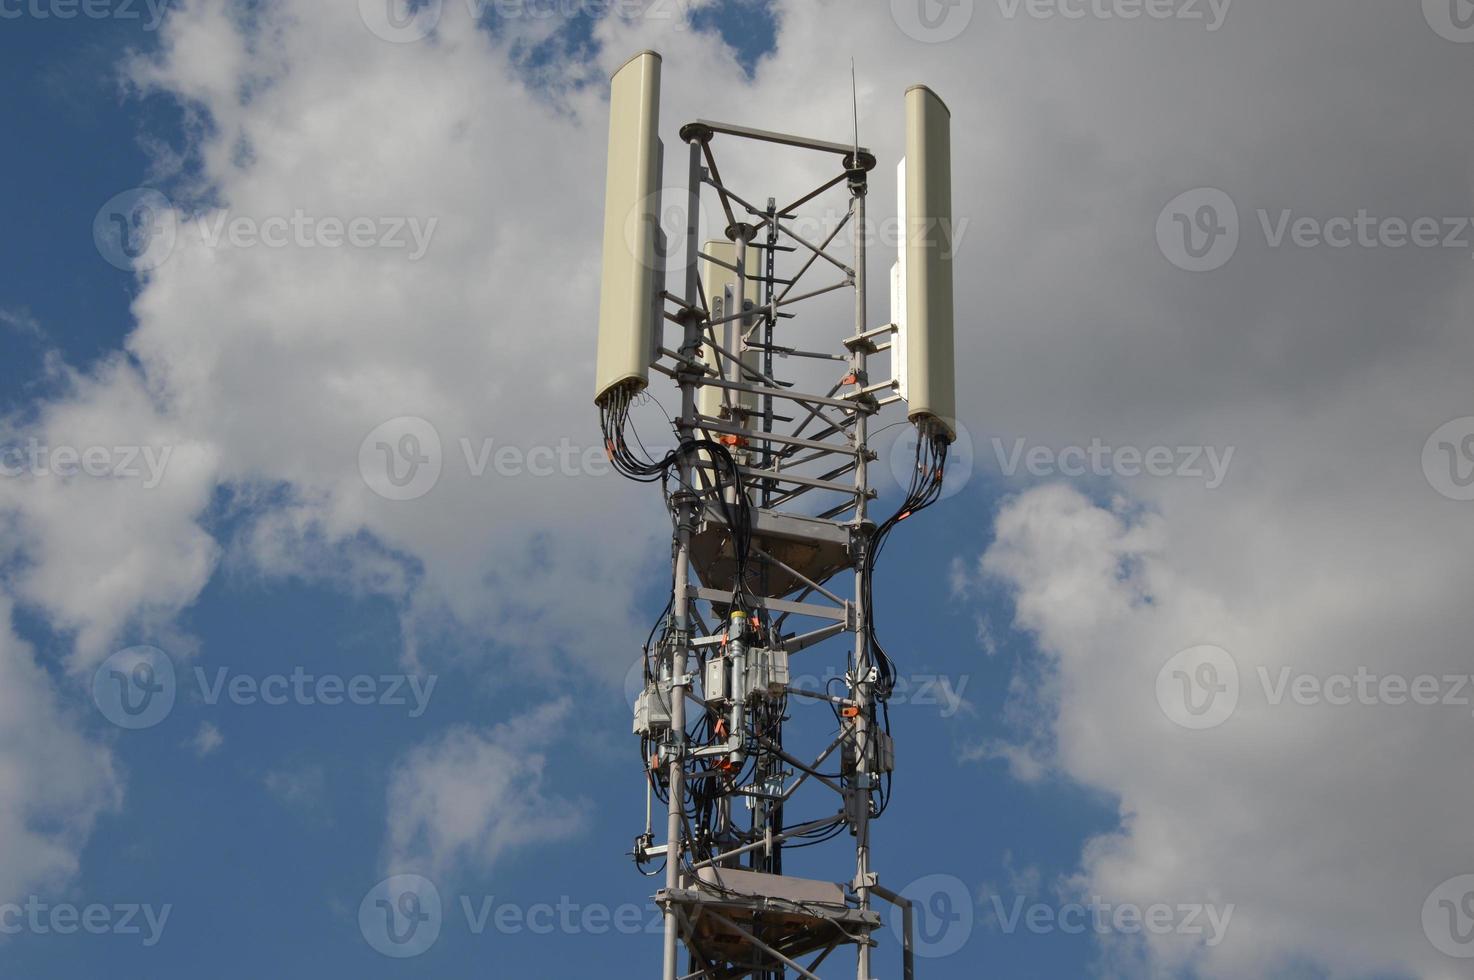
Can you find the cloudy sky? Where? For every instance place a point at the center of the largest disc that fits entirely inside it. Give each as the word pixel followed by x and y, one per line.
pixel 1188 644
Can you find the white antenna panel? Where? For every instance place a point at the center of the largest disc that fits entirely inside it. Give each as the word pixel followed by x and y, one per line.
pixel 632 247
pixel 926 263
pixel 898 291
pixel 720 285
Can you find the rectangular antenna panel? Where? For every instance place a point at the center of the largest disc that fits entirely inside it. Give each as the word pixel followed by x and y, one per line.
pixel 898 292
pixel 898 317
pixel 720 283
pixel 627 304
pixel 926 258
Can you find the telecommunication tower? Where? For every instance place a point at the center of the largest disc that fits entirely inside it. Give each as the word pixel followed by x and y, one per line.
pixel 774 548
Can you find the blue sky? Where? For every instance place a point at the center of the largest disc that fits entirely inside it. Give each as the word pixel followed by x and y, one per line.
pixel 264 847
pixel 1062 604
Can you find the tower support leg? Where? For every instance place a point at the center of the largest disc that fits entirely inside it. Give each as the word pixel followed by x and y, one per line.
pixel 686 516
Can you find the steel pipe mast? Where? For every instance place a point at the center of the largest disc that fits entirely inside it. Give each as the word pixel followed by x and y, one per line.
pixel 774 545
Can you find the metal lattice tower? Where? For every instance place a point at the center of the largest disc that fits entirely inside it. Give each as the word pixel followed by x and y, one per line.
pixel 774 545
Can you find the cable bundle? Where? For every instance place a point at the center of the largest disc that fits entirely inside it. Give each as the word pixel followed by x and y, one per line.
pixel 926 489
pixel 727 493
pixel 728 496
pixel 614 410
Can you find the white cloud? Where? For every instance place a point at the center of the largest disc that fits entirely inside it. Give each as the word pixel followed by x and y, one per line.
pixel 465 799
pixel 104 551
pixel 265 368
pixel 22 322
pixel 206 740
pixel 54 782
pixel 1283 809
pixel 269 389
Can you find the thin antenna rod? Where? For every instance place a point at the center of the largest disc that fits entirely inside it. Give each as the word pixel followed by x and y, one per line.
pixel 855 100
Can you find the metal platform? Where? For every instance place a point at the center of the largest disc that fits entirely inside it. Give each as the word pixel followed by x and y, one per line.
pixel 736 922
pixel 800 552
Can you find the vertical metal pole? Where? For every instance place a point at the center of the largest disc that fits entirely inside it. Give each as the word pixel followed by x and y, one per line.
pixel 677 745
pixel 737 329
pixel 763 812
pixel 908 954
pixel 680 602
pixel 862 691
pixel 770 260
pixel 907 907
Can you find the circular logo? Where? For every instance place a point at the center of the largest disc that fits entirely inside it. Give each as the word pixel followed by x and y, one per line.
pixel 1448 917
pixel 957 473
pixel 1452 19
pixel 401 915
pixel 1199 230
pixel 941 912
pixel 634 681
pixel 932 21
pixel 667 209
pixel 400 460
pixel 400 21
pixel 1199 687
pixel 135 230
pixel 1448 459
pixel 135 688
